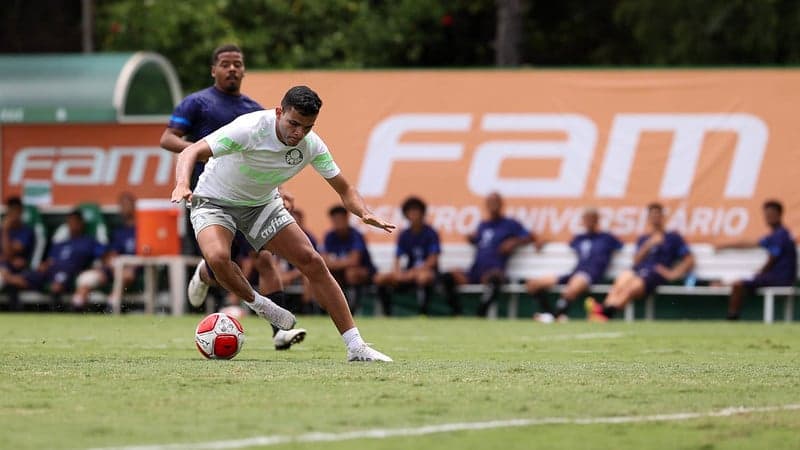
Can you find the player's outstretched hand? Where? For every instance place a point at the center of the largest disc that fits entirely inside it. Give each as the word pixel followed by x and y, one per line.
pixel 181 192
pixel 377 222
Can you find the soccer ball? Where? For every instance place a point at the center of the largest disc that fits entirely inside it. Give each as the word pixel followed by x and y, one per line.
pixel 219 336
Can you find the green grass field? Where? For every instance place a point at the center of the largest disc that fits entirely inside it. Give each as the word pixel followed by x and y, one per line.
pixel 70 381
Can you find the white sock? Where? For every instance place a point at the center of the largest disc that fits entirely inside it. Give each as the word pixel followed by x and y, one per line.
pixel 352 339
pixel 259 302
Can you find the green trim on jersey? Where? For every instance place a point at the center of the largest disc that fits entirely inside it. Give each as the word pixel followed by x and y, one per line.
pixel 229 146
pixel 273 177
pixel 323 162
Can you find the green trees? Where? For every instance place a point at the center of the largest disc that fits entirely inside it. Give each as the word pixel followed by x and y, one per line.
pixel 288 34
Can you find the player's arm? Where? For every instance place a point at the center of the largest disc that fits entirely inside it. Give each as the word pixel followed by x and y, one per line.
pixel 354 203
pixel 183 169
pixel 646 246
pixel 431 261
pixel 172 140
pixel 680 270
pixel 512 243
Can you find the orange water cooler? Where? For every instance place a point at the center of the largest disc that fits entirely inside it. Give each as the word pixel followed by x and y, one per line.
pixel 158 223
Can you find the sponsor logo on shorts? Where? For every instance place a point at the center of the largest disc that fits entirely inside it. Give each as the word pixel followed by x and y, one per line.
pixel 294 157
pixel 275 224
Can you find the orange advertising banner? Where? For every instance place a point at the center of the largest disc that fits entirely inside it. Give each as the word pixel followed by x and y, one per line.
pixel 711 145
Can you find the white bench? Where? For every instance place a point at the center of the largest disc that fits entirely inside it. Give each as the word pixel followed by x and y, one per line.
pixel 558 258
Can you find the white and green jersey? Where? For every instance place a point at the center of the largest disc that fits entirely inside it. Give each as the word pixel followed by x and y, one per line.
pixel 249 161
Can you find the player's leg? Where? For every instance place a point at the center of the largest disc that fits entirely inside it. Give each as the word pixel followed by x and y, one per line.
pixel 215 245
pixel 271 285
pixel 738 291
pixel 576 285
pixel 451 281
pixel 385 281
pixel 492 281
pixel 293 244
pixel 537 288
pixel 423 278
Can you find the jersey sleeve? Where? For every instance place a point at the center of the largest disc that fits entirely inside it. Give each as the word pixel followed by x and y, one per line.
pixel 775 244
pixel 518 230
pixel 321 159
pixel 400 249
pixel 615 243
pixel 434 247
pixel 681 248
pixel 183 117
pixel 234 137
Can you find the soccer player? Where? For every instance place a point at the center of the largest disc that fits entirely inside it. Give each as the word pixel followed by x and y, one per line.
pixel 346 254
pixel 781 266
pixel 495 240
pixel 123 242
pixel 64 262
pixel 195 118
pixel 661 256
pixel 292 275
pixel 17 241
pixel 250 158
pixel 419 246
pixel 594 249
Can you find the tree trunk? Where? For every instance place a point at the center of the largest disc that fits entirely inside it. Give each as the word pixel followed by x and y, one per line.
pixel 509 32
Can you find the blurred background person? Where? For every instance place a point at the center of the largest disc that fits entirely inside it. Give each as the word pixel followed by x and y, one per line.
pixel 495 240
pixel 291 275
pixel 65 260
pixel 419 246
pixel 594 249
pixel 346 254
pixel 17 242
pixel 123 242
pixel 661 256
pixel 781 266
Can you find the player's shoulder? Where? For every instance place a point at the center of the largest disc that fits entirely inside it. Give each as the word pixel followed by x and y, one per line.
pixel 428 229
pixel 201 96
pixel 250 103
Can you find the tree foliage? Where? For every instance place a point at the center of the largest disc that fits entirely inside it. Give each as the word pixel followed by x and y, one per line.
pixel 288 34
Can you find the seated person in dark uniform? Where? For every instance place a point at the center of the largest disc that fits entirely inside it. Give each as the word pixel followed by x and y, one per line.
pixel 495 240
pixel 346 255
pixel 17 241
pixel 123 242
pixel 65 260
pixel 594 249
pixel 781 266
pixel 661 256
pixel 419 245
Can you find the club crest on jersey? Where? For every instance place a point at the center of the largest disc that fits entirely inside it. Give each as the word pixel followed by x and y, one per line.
pixel 294 157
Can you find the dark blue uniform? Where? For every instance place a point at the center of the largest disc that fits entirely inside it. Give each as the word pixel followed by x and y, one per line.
pixel 341 247
pixel 416 247
pixel 490 235
pixel 594 252
pixel 780 245
pixel 25 236
pixel 203 112
pixel 671 250
pixel 69 258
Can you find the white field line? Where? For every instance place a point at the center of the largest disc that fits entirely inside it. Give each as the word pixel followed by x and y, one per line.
pixel 581 336
pixel 383 433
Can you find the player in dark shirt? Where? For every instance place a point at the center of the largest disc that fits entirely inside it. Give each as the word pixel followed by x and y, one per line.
pixel 594 249
pixel 347 256
pixel 64 262
pixel 661 256
pixel 419 246
pixel 17 242
pixel 123 242
pixel 495 240
pixel 781 266
pixel 197 116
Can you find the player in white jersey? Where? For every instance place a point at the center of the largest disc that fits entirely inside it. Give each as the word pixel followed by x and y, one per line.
pixel 248 159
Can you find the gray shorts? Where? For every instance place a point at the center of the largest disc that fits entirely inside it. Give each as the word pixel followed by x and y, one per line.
pixel 258 224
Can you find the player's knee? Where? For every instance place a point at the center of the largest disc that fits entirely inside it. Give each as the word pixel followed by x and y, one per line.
pixel 425 278
pixel 309 262
pixel 219 262
pixel 264 259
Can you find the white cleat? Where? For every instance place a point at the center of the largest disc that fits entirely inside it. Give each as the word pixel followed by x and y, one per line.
pixel 198 289
pixel 366 353
pixel 544 317
pixel 285 338
pixel 277 316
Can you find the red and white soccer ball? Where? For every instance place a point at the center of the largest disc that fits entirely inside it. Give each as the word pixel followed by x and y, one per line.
pixel 219 336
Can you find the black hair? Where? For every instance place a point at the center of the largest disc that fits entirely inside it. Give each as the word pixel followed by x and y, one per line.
pixel 337 210
pixel 77 214
pixel 655 206
pixel 414 203
pixel 774 204
pixel 303 100
pixel 14 202
pixel 224 49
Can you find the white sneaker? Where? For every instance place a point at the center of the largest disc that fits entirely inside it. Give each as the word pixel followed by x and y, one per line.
pixel 198 289
pixel 366 353
pixel 277 316
pixel 544 317
pixel 285 338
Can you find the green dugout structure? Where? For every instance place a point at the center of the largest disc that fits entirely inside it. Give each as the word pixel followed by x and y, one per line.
pixel 140 87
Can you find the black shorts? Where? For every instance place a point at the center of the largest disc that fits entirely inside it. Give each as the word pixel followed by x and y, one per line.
pixel 593 278
pixel 764 280
pixel 651 278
